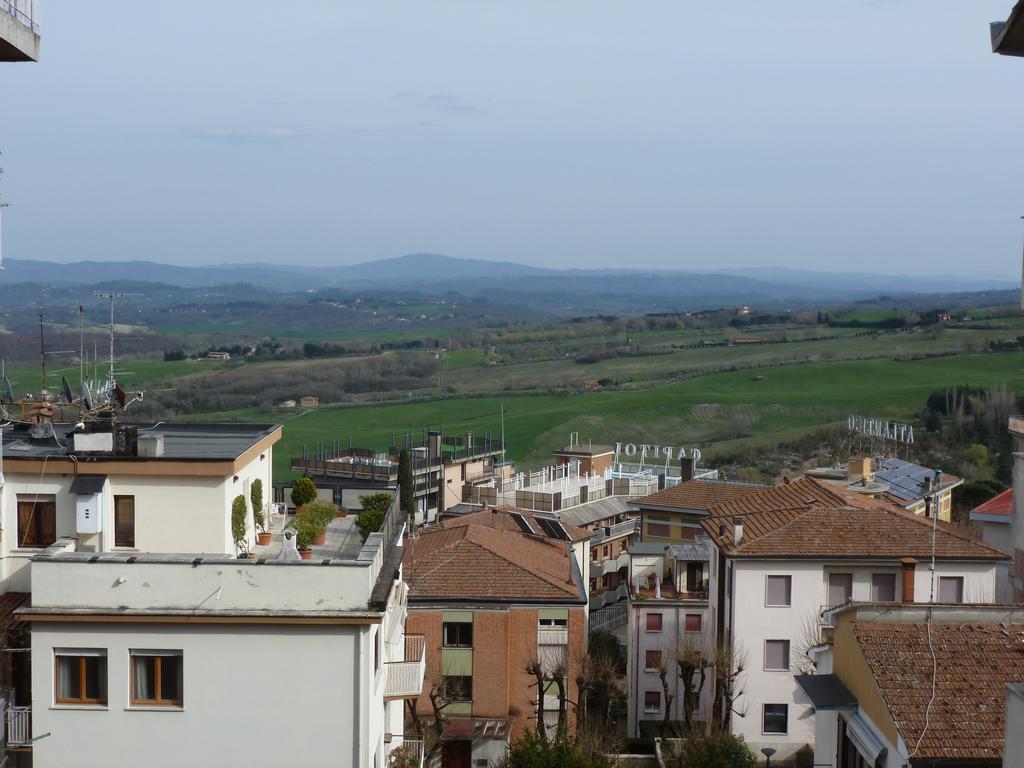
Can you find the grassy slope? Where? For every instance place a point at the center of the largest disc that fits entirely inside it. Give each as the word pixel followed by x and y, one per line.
pixel 790 400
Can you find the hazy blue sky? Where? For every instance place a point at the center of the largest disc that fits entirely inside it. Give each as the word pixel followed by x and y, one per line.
pixel 838 134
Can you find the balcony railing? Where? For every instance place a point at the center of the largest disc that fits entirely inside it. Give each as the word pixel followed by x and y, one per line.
pixel 25 11
pixel 408 754
pixel 627 528
pixel 19 726
pixel 405 677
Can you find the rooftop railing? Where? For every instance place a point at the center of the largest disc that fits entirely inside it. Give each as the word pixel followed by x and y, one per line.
pixel 25 11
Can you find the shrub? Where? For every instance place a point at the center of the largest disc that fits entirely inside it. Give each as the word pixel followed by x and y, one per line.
pixel 531 751
pixel 303 491
pixel 717 750
pixel 256 498
pixel 305 531
pixel 320 513
pixel 238 520
pixel 375 506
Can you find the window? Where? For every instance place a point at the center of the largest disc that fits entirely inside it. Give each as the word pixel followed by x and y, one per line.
pixel 593 554
pixel 840 588
pixel 775 718
pixel 80 677
pixel 604 551
pixel 622 546
pixel 559 623
pixel 652 660
pixel 124 521
pixel 776 655
pixel 951 589
pixel 457 688
pixel 654 622
pixel 694 577
pixel 652 702
pixel 157 678
pixel 778 591
pixel 37 520
pixel 458 634
pixel 883 587
pixel 657 525
pixel 693 622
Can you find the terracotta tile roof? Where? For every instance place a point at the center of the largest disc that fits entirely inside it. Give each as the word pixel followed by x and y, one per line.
pixel 698 494
pixel 998 506
pixel 974 661
pixel 9 603
pixel 501 519
pixel 799 493
pixel 476 561
pixel 844 531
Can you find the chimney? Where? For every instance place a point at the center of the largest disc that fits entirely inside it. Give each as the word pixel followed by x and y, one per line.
pixel 909 566
pixel 687 468
pixel 737 530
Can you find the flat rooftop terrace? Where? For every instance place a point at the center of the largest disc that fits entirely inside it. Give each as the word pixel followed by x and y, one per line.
pixel 181 442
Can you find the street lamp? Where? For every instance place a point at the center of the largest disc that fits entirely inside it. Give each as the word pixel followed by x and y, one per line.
pixel 767 752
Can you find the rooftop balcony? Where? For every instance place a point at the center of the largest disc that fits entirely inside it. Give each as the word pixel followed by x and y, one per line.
pixel 627 528
pixel 405 676
pixel 19 30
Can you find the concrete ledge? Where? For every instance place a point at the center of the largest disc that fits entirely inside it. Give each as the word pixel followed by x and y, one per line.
pixel 17 42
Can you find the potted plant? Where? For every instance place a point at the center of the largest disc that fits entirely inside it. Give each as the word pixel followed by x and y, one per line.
pixel 238 526
pixel 256 498
pixel 319 514
pixel 305 532
pixel 303 492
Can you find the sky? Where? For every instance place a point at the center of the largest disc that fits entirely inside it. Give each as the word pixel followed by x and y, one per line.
pixel 849 135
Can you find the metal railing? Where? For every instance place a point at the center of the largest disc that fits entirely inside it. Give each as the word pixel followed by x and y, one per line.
pixel 19 726
pixel 612 617
pixel 626 528
pixel 25 11
pixel 405 677
pixel 409 753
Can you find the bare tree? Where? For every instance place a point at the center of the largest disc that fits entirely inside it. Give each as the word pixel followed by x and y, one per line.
pixel 692 664
pixel 440 693
pixel 730 664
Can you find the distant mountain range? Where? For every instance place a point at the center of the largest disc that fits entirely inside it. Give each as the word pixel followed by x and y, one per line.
pixel 433 273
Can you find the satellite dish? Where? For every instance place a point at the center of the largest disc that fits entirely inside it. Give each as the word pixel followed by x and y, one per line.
pixel 119 395
pixel 66 390
pixel 86 397
pixel 8 393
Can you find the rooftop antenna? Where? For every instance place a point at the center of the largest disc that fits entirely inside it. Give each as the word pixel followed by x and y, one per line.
pixel 81 345
pixel 112 297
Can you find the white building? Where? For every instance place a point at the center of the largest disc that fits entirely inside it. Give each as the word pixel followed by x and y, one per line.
pixel 215 659
pixel 123 489
pixel 784 557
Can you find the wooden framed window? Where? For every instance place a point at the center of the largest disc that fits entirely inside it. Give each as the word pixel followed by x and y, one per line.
pixel 80 677
pixel 157 678
pixel 658 525
pixel 124 521
pixel 654 622
pixel 693 622
pixel 37 520
pixel 652 660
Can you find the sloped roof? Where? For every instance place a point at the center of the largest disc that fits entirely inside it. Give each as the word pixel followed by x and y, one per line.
pixel 697 494
pixel 908 481
pixel 501 518
pixel 999 506
pixel 592 511
pixel 844 532
pixel 974 662
pixel 480 562
pixel 800 493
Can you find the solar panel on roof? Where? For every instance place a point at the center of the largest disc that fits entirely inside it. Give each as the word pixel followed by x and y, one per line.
pixel 523 523
pixel 552 528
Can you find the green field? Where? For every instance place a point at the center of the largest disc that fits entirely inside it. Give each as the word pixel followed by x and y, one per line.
pixel 714 412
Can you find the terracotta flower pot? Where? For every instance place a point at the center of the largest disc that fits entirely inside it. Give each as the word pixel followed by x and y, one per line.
pixel 298 509
pixel 341 512
pixel 320 539
pixel 306 554
pixel 263 539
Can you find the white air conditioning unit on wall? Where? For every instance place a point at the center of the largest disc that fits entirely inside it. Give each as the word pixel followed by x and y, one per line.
pixel 89 513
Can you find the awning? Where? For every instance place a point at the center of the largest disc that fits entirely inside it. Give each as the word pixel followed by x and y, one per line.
pixel 827 692
pixel 88 484
pixel 863 736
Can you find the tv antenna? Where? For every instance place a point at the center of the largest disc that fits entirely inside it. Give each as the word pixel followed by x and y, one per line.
pixel 111 381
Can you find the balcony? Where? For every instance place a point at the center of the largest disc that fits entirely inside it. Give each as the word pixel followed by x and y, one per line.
pixel 627 528
pixel 405 677
pixel 19 726
pixel 19 30
pixel 611 565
